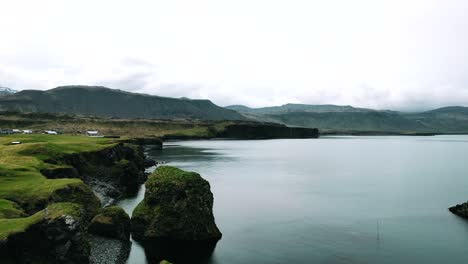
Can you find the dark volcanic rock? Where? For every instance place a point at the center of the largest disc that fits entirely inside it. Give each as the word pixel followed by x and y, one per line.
pixel 58 173
pixel 56 237
pixel 111 222
pixel 150 163
pixel 111 172
pixel 460 210
pixel 178 206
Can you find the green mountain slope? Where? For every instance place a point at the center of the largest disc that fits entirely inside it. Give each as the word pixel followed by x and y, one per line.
pixel 102 101
pixel 331 118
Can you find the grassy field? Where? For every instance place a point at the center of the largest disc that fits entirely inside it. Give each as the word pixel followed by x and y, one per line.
pixel 21 181
pixel 121 127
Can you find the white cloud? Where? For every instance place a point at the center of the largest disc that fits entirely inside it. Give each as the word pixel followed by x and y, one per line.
pixel 369 53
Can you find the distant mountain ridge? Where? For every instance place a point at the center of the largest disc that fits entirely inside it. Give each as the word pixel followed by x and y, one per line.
pixel 286 108
pixel 6 91
pixel 335 118
pixel 106 102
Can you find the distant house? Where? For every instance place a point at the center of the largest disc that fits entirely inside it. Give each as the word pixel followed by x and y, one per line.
pixel 51 132
pixel 16 131
pixel 93 133
pixel 27 131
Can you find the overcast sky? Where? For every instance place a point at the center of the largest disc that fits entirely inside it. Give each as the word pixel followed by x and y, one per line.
pixel 395 54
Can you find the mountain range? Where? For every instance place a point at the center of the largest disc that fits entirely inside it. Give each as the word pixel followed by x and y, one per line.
pixel 348 119
pixel 105 102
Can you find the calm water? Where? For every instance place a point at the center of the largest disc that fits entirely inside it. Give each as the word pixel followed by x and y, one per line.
pixel 331 200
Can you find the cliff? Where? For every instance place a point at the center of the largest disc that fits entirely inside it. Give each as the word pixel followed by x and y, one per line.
pixel 45 203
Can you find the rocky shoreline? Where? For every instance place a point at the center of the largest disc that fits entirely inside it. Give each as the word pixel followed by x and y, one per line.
pixel 63 229
pixel 87 229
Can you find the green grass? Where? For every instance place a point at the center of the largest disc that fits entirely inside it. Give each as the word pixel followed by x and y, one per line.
pixel 15 225
pixel 21 181
pixel 109 214
pixel 9 209
pixel 168 173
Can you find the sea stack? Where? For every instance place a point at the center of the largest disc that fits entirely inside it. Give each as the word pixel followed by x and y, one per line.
pixel 176 216
pixel 178 205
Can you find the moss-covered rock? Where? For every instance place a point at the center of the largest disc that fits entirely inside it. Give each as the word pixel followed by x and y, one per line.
pixel 177 206
pixel 111 172
pixel 81 194
pixel 53 235
pixel 111 222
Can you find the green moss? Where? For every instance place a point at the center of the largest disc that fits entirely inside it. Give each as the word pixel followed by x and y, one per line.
pixel 15 225
pixel 177 205
pixel 111 222
pixel 113 212
pixel 22 183
pixel 57 209
pixel 9 209
pixel 168 173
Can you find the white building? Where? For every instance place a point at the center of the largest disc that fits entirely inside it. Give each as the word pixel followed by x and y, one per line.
pixel 27 131
pixel 16 131
pixel 51 132
pixel 92 133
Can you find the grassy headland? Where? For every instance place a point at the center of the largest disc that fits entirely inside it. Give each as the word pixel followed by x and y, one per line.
pixel 24 190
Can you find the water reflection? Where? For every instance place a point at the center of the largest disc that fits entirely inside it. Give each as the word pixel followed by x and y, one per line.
pixel 176 153
pixel 183 252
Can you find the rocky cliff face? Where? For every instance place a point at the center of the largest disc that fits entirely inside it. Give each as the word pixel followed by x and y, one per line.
pixel 111 172
pixel 175 219
pixel 59 233
pixel 56 235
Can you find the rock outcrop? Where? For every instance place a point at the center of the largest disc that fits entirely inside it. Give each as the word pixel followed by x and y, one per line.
pixel 111 172
pixel 178 206
pixel 175 219
pixel 53 235
pixel 460 210
pixel 111 222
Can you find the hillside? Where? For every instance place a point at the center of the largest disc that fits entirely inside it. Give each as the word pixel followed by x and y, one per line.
pixel 6 91
pixel 105 102
pixel 288 108
pixel 344 119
